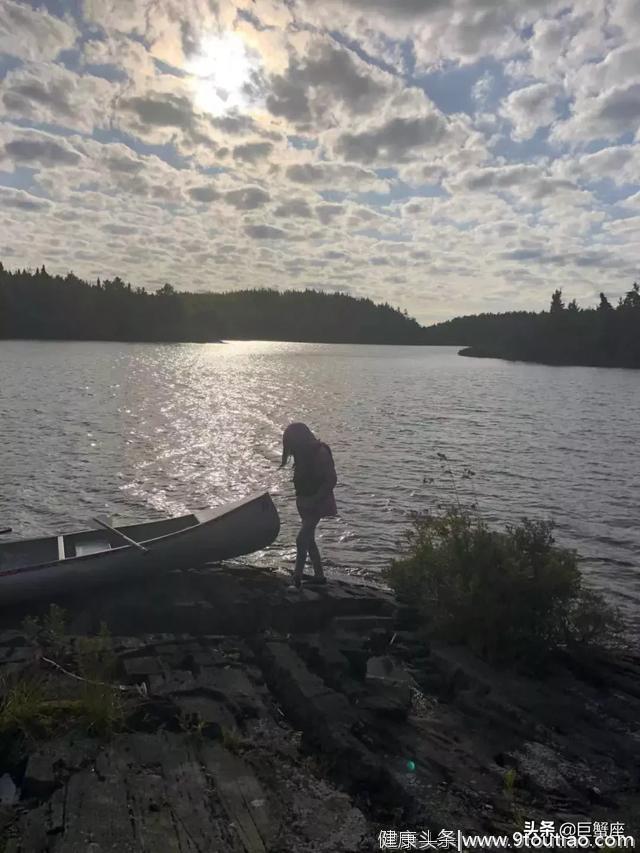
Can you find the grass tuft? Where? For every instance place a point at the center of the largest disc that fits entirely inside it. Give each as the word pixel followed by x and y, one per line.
pixel 38 704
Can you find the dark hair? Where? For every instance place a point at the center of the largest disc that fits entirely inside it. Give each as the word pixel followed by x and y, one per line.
pixel 296 436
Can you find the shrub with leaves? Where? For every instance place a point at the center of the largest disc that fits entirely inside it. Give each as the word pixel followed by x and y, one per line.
pixel 509 595
pixel 48 631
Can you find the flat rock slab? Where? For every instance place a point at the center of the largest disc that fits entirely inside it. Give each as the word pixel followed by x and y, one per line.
pixel 278 721
pixel 210 601
pixel 9 793
pixel 242 796
pixel 390 687
pixel 172 793
pixel 142 666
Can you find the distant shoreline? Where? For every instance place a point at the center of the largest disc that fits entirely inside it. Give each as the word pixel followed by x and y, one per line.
pixel 411 344
pixel 483 352
pixel 104 341
pixel 466 352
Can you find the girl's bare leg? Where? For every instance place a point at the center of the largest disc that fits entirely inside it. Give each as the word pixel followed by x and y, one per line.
pixel 306 546
pixel 305 535
pixel 316 559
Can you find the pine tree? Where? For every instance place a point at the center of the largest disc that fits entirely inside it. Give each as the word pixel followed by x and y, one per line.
pixel 557 305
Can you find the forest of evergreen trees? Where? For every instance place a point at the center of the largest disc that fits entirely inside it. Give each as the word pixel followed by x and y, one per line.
pixel 35 304
pixel 605 336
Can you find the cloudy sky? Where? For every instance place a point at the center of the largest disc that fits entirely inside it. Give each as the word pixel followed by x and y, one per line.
pixel 447 156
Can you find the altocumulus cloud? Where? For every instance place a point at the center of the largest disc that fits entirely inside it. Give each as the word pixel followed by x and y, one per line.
pixel 265 232
pixel 43 152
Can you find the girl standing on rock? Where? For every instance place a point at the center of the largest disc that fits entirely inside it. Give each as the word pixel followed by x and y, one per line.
pixel 314 478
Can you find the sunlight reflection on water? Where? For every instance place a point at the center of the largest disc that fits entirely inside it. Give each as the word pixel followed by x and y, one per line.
pixel 152 430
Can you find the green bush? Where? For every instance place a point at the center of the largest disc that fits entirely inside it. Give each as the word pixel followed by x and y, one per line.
pixel 509 595
pixel 48 631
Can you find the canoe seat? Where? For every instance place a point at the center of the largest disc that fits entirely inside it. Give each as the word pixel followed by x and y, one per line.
pixel 92 546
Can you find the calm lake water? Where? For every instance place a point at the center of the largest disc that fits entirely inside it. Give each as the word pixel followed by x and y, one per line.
pixel 149 430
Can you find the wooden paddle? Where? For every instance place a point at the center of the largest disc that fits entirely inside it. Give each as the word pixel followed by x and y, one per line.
pixel 5 530
pixel 102 522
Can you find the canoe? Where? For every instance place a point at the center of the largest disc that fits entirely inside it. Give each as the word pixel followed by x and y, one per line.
pixel 44 568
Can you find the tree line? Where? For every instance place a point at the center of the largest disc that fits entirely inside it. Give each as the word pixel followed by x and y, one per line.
pixel 36 304
pixel 602 336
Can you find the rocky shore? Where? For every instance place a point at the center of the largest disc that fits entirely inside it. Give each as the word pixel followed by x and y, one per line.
pixel 258 718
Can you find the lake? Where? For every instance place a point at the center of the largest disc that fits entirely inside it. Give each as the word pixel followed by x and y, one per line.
pixel 145 430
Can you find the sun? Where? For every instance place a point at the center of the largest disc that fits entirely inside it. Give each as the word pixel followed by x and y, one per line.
pixel 220 70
